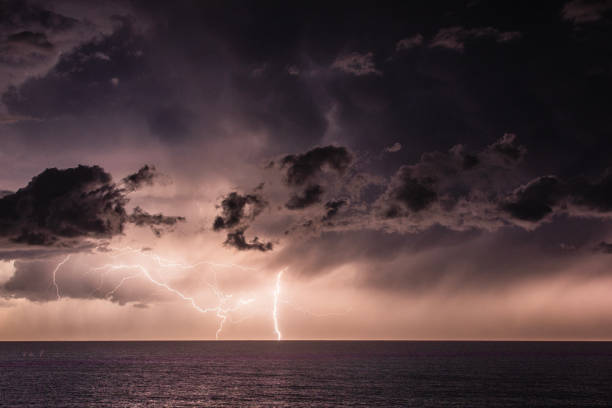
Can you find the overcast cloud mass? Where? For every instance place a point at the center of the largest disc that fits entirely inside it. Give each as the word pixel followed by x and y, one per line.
pixel 440 171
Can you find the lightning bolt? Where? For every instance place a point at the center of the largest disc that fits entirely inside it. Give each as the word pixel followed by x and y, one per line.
pixel 277 290
pixel 222 310
pixel 59 265
pixel 225 302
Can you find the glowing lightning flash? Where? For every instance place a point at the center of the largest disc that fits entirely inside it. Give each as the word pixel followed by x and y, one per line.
pixel 222 311
pixel 225 304
pixel 277 290
pixel 59 265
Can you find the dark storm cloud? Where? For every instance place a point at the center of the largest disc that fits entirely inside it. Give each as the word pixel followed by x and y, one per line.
pixel 593 195
pixel 145 176
pixel 461 190
pixel 550 195
pixel 236 239
pixel 332 208
pixel 77 202
pixel 238 211
pixel 535 200
pixel 302 168
pixel 411 193
pixel 70 204
pixel 157 222
pixel 311 195
pixel 457 181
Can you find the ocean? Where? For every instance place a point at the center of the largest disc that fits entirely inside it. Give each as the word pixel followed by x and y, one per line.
pixel 306 374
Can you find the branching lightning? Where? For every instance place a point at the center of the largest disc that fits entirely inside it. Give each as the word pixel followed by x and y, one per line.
pixel 222 309
pixel 225 305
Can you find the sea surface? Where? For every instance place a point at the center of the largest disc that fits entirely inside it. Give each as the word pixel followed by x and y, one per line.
pixel 305 374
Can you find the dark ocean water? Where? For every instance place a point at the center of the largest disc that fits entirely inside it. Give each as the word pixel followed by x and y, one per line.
pixel 305 374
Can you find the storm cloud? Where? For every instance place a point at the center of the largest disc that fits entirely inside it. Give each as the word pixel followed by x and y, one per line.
pixel 60 206
pixel 237 212
pixel 311 195
pixel 301 168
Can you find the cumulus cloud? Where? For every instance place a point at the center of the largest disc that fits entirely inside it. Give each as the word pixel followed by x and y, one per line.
pixel 585 11
pixel 454 38
pixel 356 64
pixel 59 206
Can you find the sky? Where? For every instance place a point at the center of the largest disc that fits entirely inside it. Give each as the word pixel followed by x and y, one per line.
pixel 272 170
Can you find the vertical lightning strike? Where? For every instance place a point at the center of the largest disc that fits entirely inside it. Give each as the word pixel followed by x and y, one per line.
pixel 277 290
pixel 59 265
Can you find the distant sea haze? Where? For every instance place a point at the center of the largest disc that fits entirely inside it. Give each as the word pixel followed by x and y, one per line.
pixel 305 374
